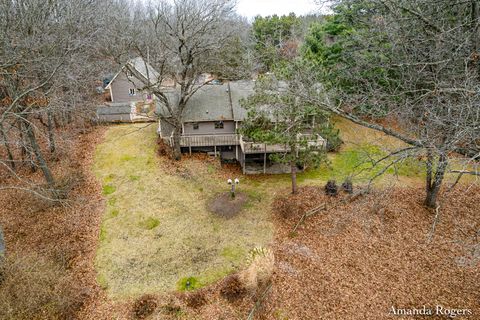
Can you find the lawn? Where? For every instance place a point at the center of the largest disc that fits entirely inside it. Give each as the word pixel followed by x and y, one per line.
pixel 156 232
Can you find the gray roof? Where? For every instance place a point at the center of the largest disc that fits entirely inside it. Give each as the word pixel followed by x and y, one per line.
pixel 141 68
pixel 144 69
pixel 240 90
pixel 114 108
pixel 214 102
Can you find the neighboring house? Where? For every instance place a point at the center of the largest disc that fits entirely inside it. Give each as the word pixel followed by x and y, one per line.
pixel 211 123
pixel 129 101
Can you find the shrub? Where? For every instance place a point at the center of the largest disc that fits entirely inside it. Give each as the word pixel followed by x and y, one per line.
pixel 36 288
pixel 331 188
pixel 347 186
pixel 260 269
pixel 232 288
pixel 144 306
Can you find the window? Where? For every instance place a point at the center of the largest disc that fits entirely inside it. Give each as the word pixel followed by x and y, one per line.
pixel 218 124
pixel 195 125
pixel 131 91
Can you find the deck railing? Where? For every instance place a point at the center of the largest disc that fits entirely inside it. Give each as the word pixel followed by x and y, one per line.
pixel 257 147
pixel 248 147
pixel 212 140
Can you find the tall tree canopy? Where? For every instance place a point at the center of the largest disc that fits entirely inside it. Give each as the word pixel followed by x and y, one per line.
pixel 414 62
pixel 275 39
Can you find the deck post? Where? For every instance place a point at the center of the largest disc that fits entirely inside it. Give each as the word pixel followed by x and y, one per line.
pixel 265 160
pixel 215 147
pixel 190 146
pixel 244 163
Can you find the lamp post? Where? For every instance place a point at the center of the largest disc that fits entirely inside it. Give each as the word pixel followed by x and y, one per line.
pixel 233 184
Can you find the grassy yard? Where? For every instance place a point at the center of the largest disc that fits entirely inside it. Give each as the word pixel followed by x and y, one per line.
pixel 157 232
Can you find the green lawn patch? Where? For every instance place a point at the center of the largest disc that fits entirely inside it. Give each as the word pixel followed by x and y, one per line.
pixel 188 284
pixel 150 223
pixel 108 189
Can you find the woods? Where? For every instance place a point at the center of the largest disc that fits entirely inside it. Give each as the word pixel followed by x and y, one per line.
pixel 353 131
pixel 414 63
pixel 43 79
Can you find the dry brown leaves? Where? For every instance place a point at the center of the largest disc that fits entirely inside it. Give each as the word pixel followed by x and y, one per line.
pixel 360 258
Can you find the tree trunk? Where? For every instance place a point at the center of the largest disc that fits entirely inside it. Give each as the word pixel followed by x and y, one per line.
pixel 2 255
pixel 11 161
pixel 293 172
pixel 435 182
pixel 475 13
pixel 38 155
pixel 51 135
pixel 177 151
pixel 27 155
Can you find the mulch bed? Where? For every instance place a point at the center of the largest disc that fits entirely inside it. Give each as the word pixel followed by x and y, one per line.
pixel 225 206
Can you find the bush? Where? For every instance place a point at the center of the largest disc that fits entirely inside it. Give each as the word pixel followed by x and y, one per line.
pixel 36 288
pixel 331 188
pixel 232 288
pixel 144 306
pixel 260 270
pixel 347 186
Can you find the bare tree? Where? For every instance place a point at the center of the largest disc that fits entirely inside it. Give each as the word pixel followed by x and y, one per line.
pixel 181 39
pixel 413 62
pixel 47 66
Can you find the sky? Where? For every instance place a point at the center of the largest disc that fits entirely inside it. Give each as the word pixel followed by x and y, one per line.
pixel 252 8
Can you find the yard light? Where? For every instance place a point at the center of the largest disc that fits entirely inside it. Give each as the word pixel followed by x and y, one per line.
pixel 232 184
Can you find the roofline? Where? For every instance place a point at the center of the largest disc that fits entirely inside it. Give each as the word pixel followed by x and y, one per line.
pixel 114 77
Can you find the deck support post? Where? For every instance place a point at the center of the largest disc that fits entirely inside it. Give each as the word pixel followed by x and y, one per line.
pixel 244 163
pixel 215 149
pixel 265 160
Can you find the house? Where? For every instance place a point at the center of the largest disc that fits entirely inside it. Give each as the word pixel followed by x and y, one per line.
pixel 129 101
pixel 211 119
pixel 211 123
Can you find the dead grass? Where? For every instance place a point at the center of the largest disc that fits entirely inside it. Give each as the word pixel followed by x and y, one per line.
pixel 136 256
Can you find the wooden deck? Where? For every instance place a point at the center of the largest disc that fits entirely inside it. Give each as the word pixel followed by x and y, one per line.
pixel 209 140
pixel 254 147
pixel 247 147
